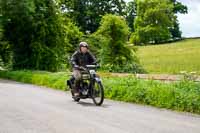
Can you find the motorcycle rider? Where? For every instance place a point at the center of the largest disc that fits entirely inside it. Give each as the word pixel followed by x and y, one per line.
pixel 79 60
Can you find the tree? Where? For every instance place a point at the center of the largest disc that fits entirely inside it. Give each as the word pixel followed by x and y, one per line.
pixel 131 14
pixel 175 30
pixel 154 17
pixel 16 13
pixel 115 53
pixel 35 30
pixel 177 8
pixel 87 14
pixel 73 35
pixel 5 50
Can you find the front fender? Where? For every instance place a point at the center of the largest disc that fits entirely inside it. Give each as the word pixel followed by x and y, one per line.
pixel 97 79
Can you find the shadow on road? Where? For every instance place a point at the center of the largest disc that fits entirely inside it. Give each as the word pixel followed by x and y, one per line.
pixel 87 104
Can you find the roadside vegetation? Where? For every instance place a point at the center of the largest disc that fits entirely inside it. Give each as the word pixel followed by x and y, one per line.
pixel 180 96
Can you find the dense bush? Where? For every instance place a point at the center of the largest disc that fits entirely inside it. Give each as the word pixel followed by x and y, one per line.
pixel 39 33
pixel 115 31
pixel 116 55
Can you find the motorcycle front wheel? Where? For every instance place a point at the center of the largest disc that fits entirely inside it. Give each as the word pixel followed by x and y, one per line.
pixel 98 93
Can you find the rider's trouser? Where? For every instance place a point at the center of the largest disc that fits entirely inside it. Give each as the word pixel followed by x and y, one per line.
pixel 77 76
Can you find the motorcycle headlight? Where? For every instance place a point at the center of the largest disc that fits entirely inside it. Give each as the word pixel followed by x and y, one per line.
pixel 92 72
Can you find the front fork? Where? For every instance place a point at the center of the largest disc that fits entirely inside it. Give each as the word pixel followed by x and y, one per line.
pixel 93 80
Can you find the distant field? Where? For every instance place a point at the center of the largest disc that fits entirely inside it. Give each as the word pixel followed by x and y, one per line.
pixel 171 58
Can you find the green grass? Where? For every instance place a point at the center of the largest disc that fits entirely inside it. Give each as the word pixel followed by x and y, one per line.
pixel 171 58
pixel 41 78
pixel 181 96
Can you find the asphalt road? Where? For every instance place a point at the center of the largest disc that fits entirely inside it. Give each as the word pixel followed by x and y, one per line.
pixel 30 109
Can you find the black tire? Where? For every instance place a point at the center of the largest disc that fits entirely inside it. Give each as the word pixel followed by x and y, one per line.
pixel 97 93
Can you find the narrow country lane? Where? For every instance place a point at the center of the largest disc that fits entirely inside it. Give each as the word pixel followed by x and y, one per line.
pixel 31 109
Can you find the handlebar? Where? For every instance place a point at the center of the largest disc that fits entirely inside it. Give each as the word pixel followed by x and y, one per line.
pixel 87 67
pixel 93 66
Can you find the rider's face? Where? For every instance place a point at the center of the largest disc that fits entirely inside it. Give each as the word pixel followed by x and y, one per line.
pixel 84 49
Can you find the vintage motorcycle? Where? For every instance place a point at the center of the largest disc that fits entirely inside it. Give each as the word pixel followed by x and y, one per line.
pixel 90 85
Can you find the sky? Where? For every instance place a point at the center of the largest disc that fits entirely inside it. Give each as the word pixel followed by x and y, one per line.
pixel 189 23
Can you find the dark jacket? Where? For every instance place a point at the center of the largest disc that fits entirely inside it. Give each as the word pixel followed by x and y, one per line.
pixel 81 59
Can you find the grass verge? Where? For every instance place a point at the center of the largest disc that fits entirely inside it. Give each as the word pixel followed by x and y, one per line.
pixel 41 78
pixel 180 96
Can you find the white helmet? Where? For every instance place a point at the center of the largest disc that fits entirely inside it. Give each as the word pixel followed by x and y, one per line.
pixel 83 44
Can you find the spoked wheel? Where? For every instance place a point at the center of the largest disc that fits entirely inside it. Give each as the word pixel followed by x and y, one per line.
pixel 98 93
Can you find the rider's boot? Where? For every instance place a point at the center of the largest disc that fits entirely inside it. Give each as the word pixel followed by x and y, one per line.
pixel 77 94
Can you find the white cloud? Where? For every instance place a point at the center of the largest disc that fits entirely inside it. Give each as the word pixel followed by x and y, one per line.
pixel 190 23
